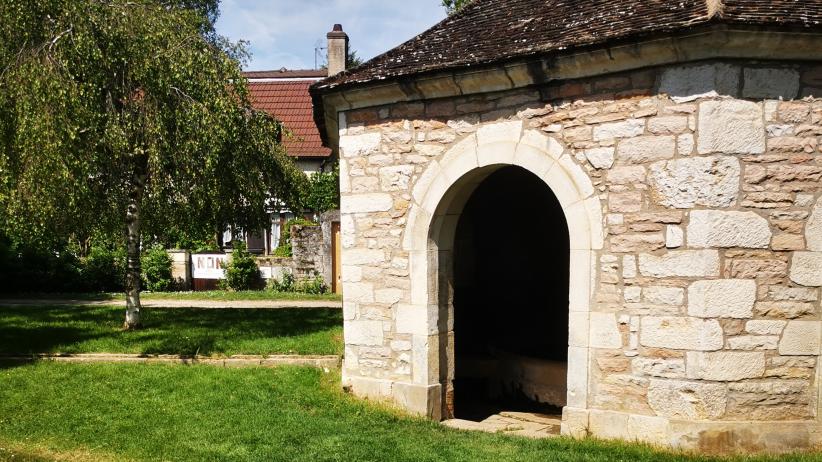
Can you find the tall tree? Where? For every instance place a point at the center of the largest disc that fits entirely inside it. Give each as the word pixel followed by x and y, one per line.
pixel 130 116
pixel 452 6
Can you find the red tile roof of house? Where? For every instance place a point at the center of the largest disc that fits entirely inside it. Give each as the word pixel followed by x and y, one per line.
pixel 289 101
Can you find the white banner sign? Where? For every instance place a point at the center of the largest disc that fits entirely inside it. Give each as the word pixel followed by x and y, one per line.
pixel 208 266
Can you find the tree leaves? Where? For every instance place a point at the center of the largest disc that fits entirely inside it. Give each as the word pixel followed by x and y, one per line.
pixel 90 90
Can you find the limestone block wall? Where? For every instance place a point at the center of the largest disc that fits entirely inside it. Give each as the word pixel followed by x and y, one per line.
pixel 699 188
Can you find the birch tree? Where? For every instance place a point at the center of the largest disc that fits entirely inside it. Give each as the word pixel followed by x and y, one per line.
pixel 130 116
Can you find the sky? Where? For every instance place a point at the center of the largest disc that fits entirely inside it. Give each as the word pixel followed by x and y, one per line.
pixel 284 33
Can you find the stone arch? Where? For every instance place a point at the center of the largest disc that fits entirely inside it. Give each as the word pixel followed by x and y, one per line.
pixel 438 198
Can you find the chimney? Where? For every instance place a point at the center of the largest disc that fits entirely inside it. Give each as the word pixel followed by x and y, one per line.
pixel 337 50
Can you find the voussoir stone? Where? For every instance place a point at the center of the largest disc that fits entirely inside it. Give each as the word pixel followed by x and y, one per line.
pixel 731 127
pixel 680 263
pixel 806 269
pixel 681 333
pixel 722 298
pixel 686 183
pixel 725 366
pixel 687 400
pixel 714 228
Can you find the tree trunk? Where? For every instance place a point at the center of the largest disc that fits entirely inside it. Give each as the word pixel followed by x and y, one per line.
pixel 133 270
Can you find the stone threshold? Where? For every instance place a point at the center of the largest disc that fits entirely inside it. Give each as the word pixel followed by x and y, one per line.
pixel 525 424
pixel 320 361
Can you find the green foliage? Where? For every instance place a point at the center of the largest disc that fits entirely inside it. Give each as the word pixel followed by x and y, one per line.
pixel 242 272
pixel 109 106
pixel 285 249
pixel 315 285
pixel 31 269
pixel 156 264
pixel 323 191
pixel 453 6
pixel 283 285
pixel 104 269
pixel 287 284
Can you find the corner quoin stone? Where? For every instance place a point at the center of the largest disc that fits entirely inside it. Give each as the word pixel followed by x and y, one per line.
pixel 366 203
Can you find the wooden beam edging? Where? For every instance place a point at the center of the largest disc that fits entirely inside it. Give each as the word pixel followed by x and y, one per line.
pixel 320 361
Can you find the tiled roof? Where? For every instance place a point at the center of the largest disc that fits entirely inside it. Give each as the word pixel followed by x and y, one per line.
pixel 290 102
pixel 488 31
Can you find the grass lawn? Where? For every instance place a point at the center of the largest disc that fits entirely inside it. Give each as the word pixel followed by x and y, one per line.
pixel 216 295
pixel 215 332
pixel 59 411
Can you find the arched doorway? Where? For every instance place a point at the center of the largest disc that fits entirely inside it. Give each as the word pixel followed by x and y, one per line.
pixel 439 198
pixel 510 298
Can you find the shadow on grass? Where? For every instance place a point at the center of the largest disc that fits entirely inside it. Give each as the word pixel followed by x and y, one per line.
pixel 181 331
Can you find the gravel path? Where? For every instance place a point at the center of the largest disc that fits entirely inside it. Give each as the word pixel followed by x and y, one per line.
pixel 152 303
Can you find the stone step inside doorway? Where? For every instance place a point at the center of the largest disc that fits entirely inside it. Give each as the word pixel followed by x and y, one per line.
pixel 526 424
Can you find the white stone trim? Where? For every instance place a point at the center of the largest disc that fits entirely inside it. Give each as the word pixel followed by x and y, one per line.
pixel 438 196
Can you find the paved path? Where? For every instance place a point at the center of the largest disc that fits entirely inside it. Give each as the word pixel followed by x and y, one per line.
pixel 526 424
pixel 159 303
pixel 325 362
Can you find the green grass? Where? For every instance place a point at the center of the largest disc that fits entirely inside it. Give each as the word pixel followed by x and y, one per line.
pixel 215 295
pixel 142 412
pixel 215 332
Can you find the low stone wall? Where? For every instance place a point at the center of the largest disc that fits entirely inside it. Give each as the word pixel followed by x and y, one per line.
pixel 307 251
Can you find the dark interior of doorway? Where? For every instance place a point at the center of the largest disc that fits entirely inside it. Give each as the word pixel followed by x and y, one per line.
pixel 511 260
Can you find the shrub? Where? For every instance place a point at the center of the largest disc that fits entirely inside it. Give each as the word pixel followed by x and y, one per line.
pixel 156 265
pixel 242 272
pixel 104 269
pixel 284 285
pixel 315 285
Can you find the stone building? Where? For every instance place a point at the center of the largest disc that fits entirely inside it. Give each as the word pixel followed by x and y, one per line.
pixel 612 208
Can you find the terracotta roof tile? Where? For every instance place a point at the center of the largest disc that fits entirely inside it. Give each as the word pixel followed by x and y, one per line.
pixel 290 102
pixel 487 31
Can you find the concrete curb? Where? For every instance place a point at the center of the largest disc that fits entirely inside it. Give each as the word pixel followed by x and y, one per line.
pixel 320 361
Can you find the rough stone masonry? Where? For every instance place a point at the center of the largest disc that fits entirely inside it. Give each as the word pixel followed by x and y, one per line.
pixel 701 187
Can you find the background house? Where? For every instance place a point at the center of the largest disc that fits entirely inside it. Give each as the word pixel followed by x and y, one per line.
pixel 284 94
